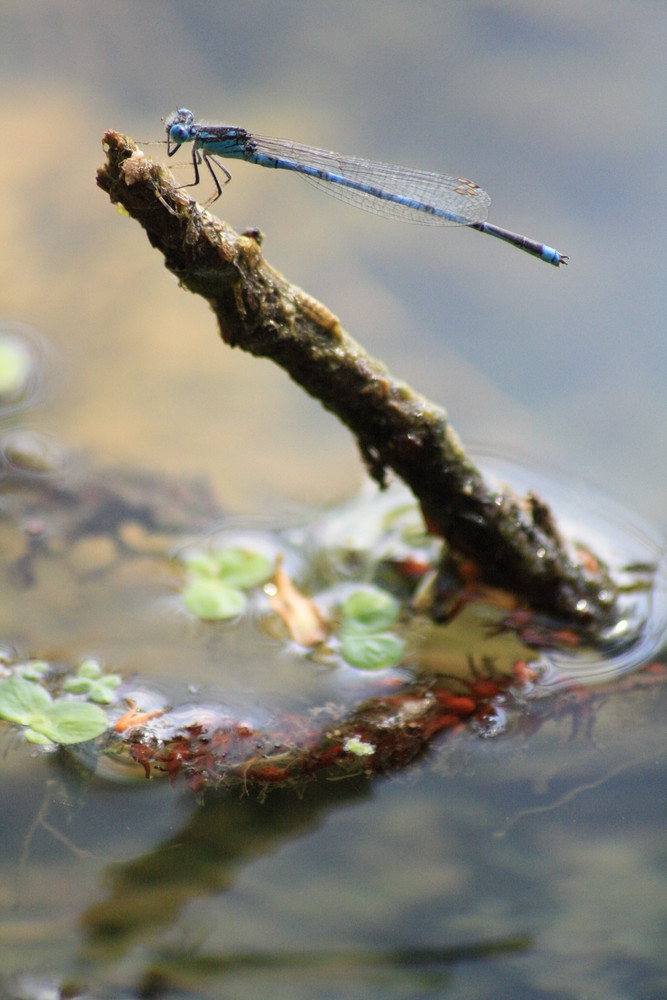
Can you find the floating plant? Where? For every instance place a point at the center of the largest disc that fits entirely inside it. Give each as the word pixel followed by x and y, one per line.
pixel 365 642
pixel 47 720
pixel 217 582
pixel 91 681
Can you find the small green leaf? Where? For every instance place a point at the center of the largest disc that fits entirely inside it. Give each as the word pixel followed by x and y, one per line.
pixel 77 685
pixel 32 736
pixel 236 567
pixel 34 669
pixel 90 680
pixel 201 564
pixel 212 600
pixel 369 611
pixel 21 699
pixel 101 691
pixel 243 568
pixel 70 722
pixel 89 668
pixel 372 652
pixel 358 747
pixel 30 705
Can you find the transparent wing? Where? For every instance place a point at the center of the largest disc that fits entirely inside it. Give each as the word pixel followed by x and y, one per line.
pixel 383 188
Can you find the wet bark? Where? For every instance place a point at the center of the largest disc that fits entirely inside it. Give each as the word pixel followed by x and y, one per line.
pixel 514 542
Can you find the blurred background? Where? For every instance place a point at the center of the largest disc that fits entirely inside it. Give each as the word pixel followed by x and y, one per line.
pixel 557 110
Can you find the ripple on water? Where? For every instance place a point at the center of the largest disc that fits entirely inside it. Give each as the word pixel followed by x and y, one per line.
pixel 635 554
pixel 22 361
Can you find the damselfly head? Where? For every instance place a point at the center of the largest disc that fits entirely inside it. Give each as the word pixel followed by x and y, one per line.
pixel 180 117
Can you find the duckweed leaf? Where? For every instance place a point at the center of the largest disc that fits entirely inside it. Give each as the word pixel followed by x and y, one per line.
pixel 360 748
pixel 102 690
pixel 90 680
pixel 237 567
pixel 32 736
pixel 30 705
pixel 89 668
pixel 201 564
pixel 369 611
pixel 243 568
pixel 34 669
pixel 21 699
pixel 70 722
pixel 77 685
pixel 212 600
pixel 378 651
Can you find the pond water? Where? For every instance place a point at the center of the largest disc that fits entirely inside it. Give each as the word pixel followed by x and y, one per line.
pixel 529 865
pixel 475 870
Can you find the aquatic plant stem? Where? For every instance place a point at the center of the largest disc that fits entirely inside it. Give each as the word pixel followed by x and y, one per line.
pixel 514 543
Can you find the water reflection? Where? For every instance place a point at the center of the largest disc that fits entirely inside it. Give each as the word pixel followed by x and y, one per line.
pixel 468 874
pixel 400 885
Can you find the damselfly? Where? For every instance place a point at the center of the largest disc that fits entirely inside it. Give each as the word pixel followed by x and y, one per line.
pixel 392 191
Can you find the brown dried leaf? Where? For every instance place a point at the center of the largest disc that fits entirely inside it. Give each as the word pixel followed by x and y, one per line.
pixel 303 618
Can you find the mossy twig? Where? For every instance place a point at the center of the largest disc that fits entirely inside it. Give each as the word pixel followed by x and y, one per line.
pixel 514 543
